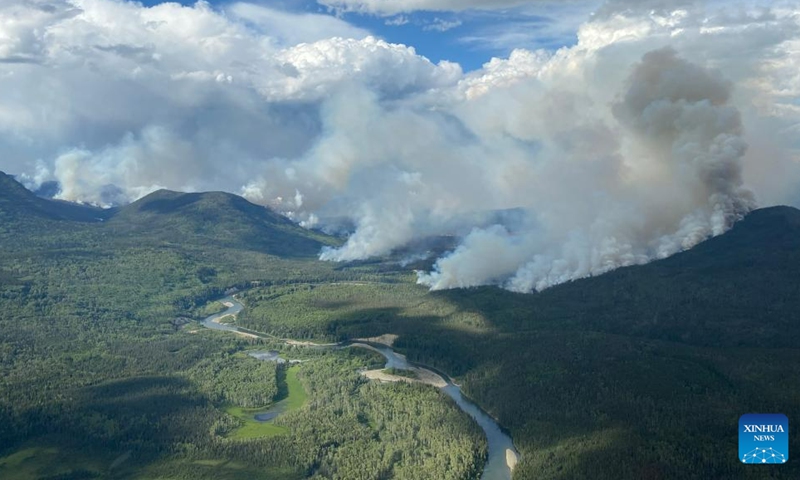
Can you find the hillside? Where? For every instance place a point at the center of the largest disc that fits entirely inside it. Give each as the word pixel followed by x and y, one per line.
pixel 216 218
pixel 18 203
pixel 105 372
pixel 211 219
pixel 737 289
pixel 644 371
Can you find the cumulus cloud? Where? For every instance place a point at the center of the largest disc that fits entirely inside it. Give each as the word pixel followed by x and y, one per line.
pixel 123 84
pixel 313 69
pixel 292 28
pixel 658 128
pixel 393 7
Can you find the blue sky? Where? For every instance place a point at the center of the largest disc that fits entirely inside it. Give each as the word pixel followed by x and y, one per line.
pixel 469 38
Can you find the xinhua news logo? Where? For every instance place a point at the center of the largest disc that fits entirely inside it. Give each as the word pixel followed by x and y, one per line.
pixel 764 438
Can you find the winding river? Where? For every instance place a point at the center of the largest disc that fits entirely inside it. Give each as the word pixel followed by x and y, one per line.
pixel 502 454
pixel 234 307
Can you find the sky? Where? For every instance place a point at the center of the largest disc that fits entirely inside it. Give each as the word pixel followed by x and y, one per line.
pixel 468 37
pixel 617 131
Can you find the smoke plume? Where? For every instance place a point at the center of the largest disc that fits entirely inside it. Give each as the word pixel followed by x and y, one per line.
pixel 672 180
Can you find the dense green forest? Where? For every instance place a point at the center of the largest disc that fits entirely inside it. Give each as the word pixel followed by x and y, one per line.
pixel 639 373
pixel 242 381
pixel 105 373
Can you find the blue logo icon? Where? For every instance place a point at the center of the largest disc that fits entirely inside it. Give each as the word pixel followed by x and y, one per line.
pixel 763 438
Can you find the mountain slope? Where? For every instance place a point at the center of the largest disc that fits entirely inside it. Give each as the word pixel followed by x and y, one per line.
pixel 642 372
pixel 213 219
pixel 17 202
pixel 737 289
pixel 216 218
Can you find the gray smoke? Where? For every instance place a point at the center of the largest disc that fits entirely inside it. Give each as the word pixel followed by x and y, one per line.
pixel 674 180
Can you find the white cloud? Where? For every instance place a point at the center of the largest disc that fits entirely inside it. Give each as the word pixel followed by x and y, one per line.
pixel 440 25
pixel 521 64
pixel 392 7
pixel 102 77
pixel 311 69
pixel 293 28
pixel 397 21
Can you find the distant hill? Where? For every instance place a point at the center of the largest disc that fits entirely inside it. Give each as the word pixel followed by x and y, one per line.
pixel 17 202
pixel 48 189
pixel 219 218
pixel 215 218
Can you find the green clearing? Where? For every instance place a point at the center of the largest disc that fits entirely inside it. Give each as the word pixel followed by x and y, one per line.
pixel 251 428
pixel 295 398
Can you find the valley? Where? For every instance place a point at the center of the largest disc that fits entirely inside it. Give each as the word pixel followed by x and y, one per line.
pixel 107 370
pixel 502 456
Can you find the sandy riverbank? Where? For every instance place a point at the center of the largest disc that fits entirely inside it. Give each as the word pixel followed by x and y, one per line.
pixel 387 339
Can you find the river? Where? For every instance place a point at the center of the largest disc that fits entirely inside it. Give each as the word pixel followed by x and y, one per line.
pixel 234 307
pixel 502 454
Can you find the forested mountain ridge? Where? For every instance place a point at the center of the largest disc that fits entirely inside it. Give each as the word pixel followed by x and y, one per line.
pixel 737 289
pixel 17 203
pixel 217 218
pixel 212 218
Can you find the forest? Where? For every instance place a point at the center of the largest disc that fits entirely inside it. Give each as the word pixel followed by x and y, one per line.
pixel 105 372
pixel 639 373
pixel 655 362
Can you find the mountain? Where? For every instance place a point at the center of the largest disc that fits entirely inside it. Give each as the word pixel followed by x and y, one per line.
pixel 737 289
pixel 213 219
pixel 17 202
pixel 644 371
pixel 216 218
pixel 48 189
